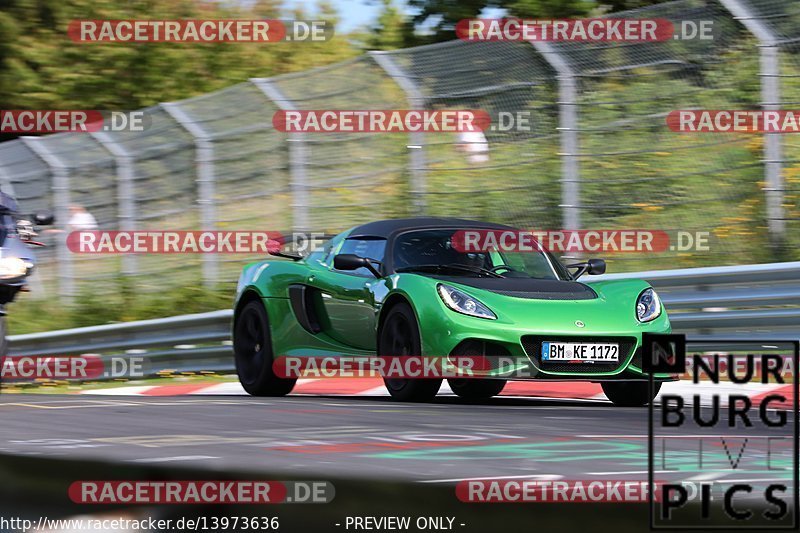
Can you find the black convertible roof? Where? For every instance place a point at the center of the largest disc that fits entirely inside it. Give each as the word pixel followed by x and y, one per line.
pixel 386 228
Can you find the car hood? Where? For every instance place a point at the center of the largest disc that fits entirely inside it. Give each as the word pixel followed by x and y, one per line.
pixel 527 288
pixel 610 309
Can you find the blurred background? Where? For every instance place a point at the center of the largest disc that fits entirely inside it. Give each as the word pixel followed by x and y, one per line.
pixel 598 154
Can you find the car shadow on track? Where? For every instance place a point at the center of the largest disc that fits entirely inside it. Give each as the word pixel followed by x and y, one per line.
pixel 498 401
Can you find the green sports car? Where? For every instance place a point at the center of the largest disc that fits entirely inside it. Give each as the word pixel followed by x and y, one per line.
pixel 403 287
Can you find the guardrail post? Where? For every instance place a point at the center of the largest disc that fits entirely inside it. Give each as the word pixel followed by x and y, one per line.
pixel 298 157
pixel 206 186
pixel 416 139
pixel 126 205
pixel 61 201
pixel 769 55
pixel 568 128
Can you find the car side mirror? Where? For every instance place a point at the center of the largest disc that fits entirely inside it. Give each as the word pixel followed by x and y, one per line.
pixel 596 267
pixel 593 267
pixel 43 219
pixel 354 262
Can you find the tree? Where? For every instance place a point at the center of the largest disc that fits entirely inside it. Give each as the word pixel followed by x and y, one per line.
pixel 441 16
pixel 41 68
pixel 550 8
pixel 390 31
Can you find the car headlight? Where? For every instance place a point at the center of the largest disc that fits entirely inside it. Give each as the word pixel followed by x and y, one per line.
pixel 463 303
pixel 12 267
pixel 648 306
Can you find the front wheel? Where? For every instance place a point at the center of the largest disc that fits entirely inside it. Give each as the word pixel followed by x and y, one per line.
pixel 400 336
pixel 252 348
pixel 629 393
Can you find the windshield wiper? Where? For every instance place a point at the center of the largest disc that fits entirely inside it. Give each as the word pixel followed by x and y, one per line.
pixel 438 268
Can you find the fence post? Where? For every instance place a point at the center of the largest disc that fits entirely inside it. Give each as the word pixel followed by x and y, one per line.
pixel 568 128
pixel 416 139
pixel 773 149
pixel 126 205
pixel 206 186
pixel 61 201
pixel 298 156
pixel 770 71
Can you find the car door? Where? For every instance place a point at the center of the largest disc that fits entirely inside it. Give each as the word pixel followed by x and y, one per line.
pixel 347 298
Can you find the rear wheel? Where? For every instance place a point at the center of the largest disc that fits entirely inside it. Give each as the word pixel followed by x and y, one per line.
pixel 400 336
pixel 252 348
pixel 629 393
pixel 476 389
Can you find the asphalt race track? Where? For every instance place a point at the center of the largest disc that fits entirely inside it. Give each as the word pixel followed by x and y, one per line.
pixel 373 437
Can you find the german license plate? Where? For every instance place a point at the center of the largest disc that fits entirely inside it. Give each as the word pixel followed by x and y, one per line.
pixel 580 352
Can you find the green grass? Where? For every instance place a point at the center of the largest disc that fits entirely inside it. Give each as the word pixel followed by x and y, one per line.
pixel 27 315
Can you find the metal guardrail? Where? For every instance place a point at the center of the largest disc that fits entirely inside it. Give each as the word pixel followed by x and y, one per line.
pixel 752 301
pixel 746 301
pixel 196 342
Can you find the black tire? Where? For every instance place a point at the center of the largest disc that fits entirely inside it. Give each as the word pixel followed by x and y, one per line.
pixel 400 336
pixel 629 393
pixel 252 349
pixel 476 389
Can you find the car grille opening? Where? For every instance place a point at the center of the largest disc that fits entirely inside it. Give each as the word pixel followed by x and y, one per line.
pixel 637 358
pixel 532 344
pixel 493 354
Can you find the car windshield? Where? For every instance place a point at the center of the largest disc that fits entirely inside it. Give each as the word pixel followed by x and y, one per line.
pixel 433 251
